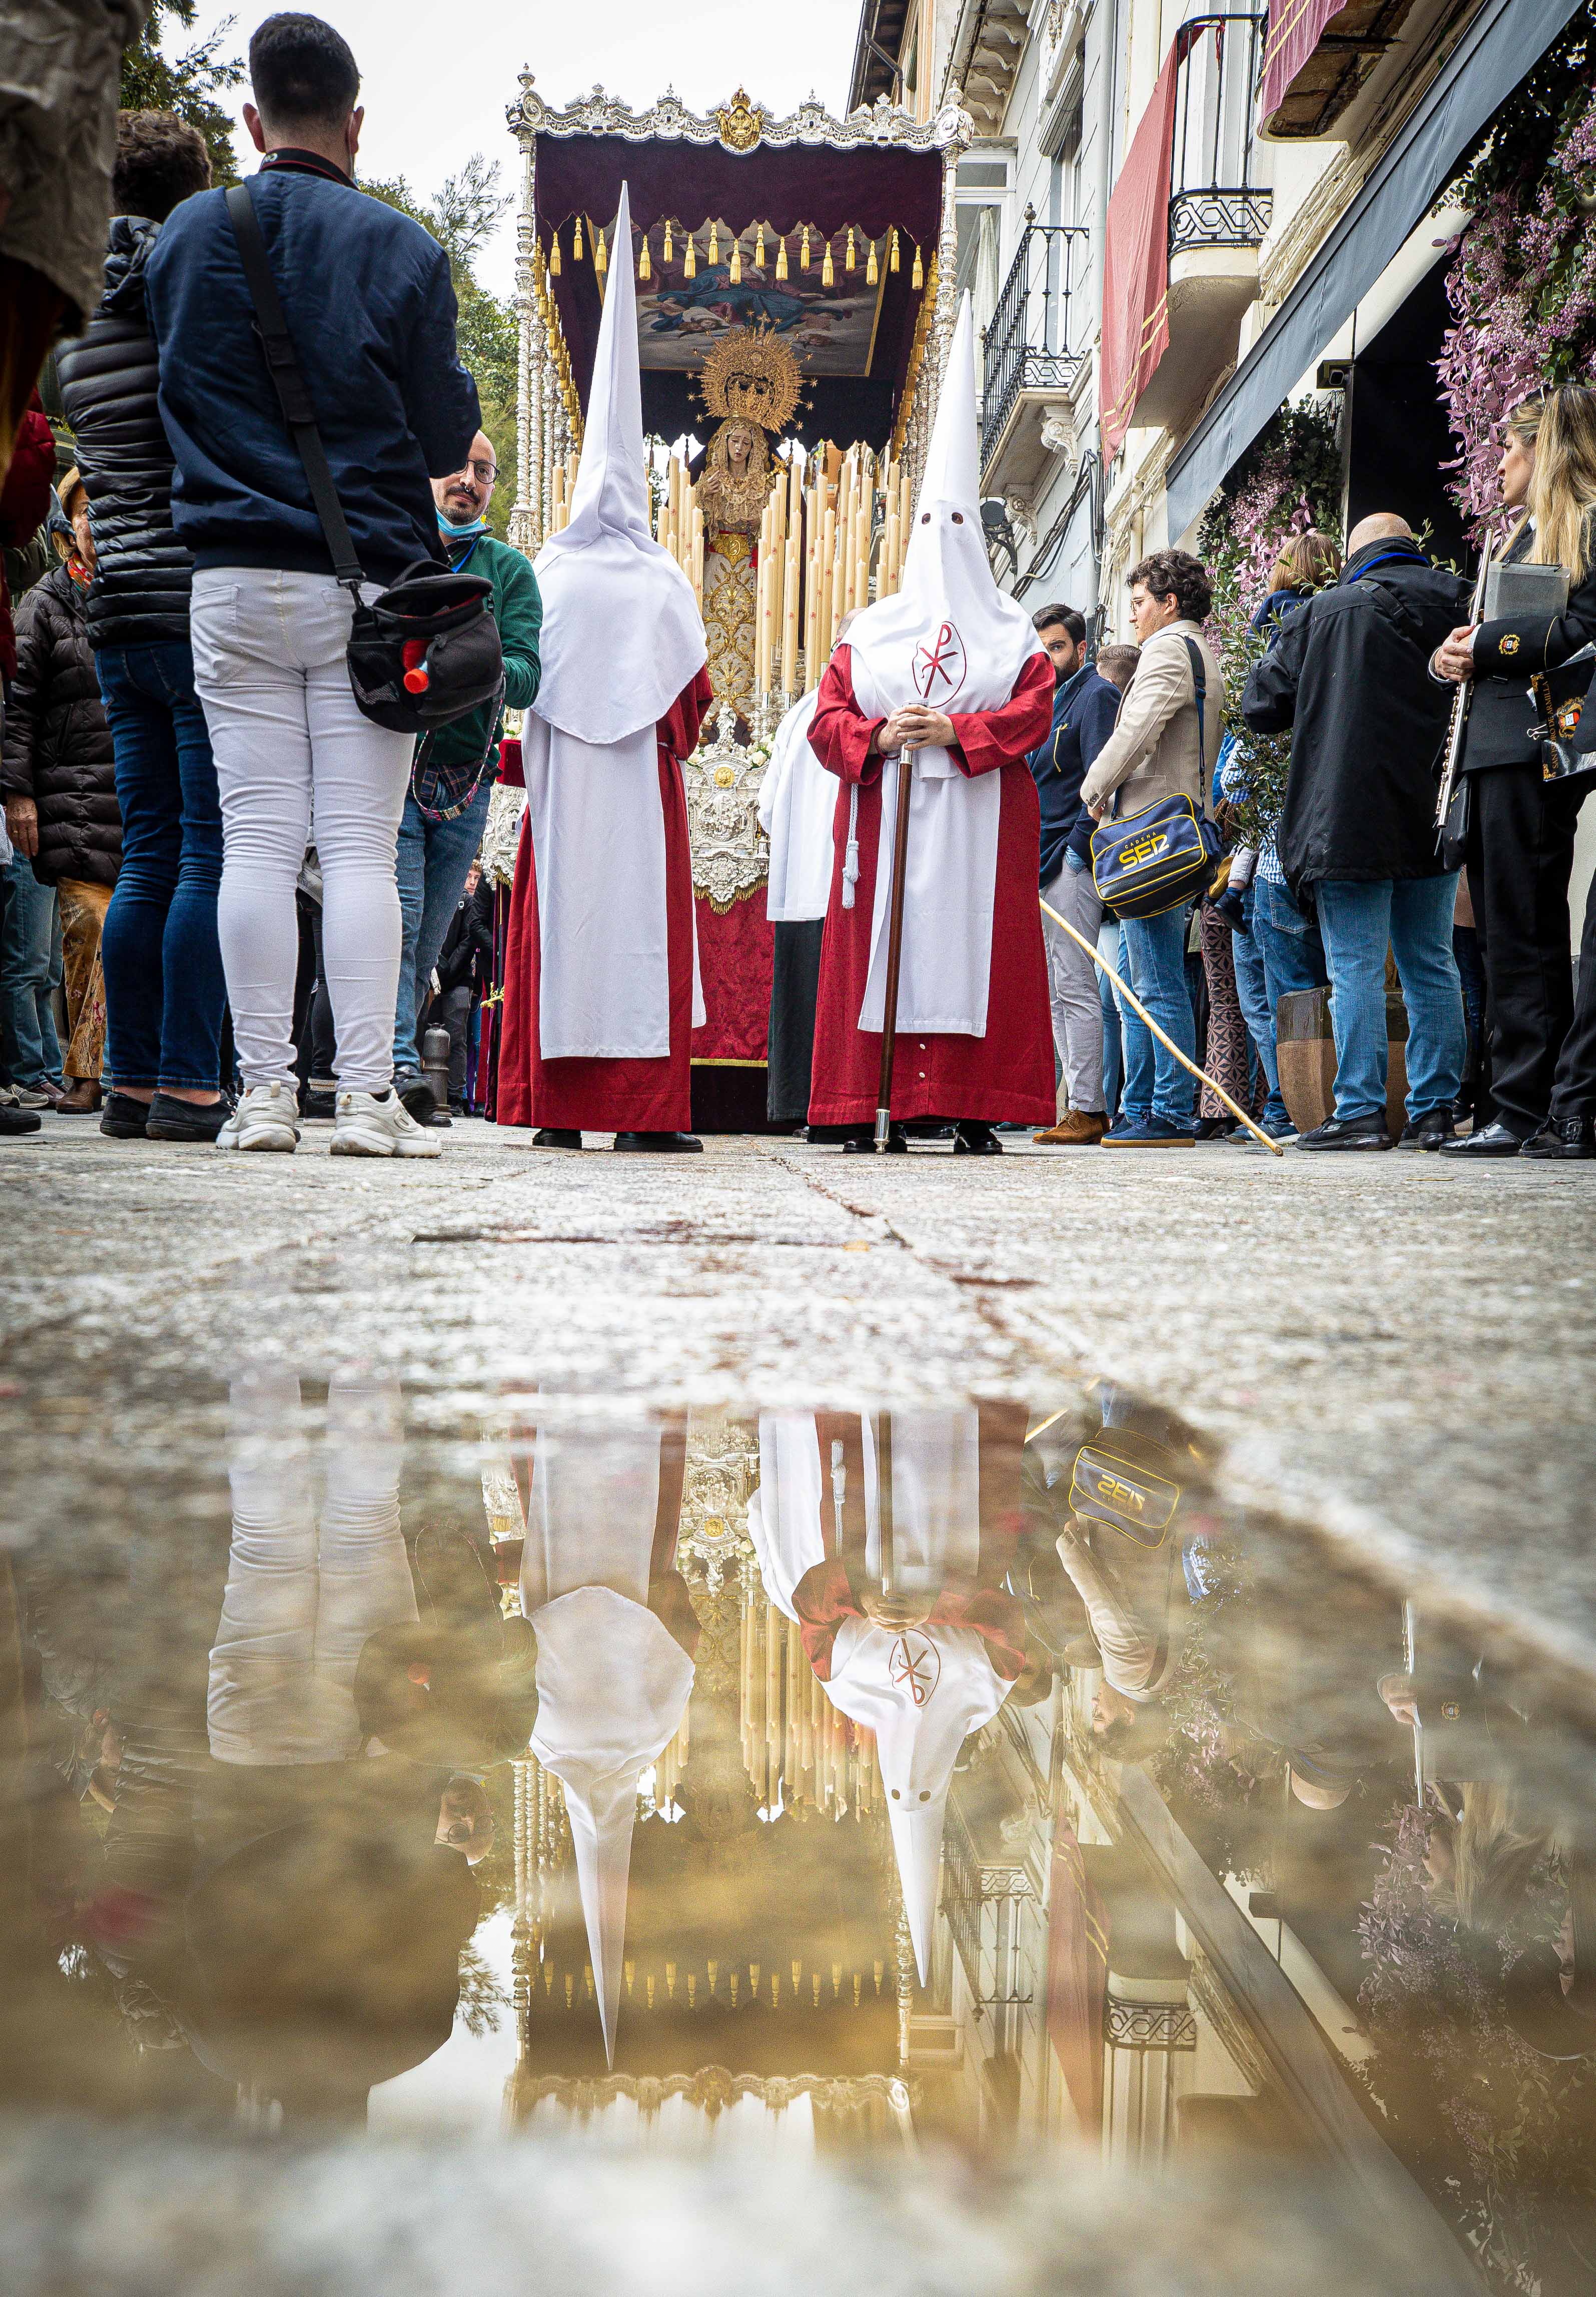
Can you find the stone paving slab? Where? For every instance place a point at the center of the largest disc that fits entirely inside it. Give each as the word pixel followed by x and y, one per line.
pixel 1395 1349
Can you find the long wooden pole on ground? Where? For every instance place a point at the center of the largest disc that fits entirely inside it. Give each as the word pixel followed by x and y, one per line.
pixel 1137 1007
pixel 894 954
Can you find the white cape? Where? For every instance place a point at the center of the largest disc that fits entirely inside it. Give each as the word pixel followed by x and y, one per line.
pixel 953 639
pixel 797 809
pixel 599 845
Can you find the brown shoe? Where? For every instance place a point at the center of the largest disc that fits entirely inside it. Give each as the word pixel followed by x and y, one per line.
pixel 1081 1128
pixel 81 1099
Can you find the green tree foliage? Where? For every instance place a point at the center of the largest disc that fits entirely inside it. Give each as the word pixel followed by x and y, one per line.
pixel 462 218
pixel 187 84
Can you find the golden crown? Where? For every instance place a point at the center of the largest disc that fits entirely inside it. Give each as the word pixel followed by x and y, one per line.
pixel 751 375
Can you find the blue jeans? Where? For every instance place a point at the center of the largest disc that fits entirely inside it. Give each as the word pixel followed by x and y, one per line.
pixel 1252 987
pixel 1293 957
pixel 31 971
pixel 435 859
pixel 1414 918
pixel 1153 956
pixel 164 992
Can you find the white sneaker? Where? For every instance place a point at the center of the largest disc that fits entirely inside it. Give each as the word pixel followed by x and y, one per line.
pixel 27 1096
pixel 266 1117
pixel 365 1126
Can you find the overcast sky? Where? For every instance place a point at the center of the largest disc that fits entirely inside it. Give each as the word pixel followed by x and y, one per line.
pixel 431 102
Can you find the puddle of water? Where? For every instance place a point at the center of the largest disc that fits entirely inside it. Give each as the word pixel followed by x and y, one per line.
pixel 828 1784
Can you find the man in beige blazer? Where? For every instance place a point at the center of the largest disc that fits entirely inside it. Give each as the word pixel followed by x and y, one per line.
pixel 1165 744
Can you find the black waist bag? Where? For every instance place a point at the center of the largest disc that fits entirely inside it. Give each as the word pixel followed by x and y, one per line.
pixel 433 628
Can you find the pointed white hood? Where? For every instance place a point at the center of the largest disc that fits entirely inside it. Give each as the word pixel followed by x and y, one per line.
pixel 613 1685
pixel 950 637
pixel 922 1693
pixel 622 630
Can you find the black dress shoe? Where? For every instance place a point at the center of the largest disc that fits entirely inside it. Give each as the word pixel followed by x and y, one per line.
pixel 14 1121
pixel 976 1140
pixel 185 1120
pixel 661 1144
pixel 1563 1136
pixel 1348 1132
pixel 862 1141
pixel 123 1118
pixel 1494 1140
pixel 1433 1130
pixel 316 1103
pixel 554 1136
pixel 415 1093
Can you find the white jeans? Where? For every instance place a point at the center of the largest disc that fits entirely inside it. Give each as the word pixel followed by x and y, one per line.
pixel 299 1602
pixel 1072 986
pixel 291 747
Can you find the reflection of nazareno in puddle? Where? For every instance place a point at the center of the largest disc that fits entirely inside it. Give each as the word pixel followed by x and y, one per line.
pixel 819 1779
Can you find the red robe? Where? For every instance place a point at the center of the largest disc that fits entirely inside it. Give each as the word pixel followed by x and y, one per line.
pixel 608 1096
pixel 1004 1077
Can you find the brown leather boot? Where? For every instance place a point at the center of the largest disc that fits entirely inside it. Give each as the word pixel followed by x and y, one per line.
pixel 81 1097
pixel 1081 1128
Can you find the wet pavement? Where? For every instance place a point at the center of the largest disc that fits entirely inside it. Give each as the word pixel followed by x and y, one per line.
pixel 662 1728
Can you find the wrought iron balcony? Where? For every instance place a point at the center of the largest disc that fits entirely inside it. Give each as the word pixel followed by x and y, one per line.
pixel 1032 343
pixel 1213 199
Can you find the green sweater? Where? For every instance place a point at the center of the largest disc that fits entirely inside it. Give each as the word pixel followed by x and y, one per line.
pixel 518 611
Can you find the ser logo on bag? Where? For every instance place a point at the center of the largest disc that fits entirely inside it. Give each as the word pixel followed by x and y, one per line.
pixel 1122 1492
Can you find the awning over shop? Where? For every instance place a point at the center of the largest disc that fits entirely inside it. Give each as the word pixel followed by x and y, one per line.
pixel 853 335
pixel 1504 42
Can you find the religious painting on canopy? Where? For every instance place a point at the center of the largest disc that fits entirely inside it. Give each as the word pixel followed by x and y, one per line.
pixel 823 297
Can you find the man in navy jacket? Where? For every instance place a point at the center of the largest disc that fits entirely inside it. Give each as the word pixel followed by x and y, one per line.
pixel 1084 707
pixel 371 310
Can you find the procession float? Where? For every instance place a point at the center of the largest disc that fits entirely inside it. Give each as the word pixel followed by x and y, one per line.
pixel 795 303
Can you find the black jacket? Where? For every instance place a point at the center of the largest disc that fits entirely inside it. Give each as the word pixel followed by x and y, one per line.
pixel 57 745
pixel 1349 674
pixel 1084 708
pixel 467 952
pixel 1502 710
pixel 369 303
pixel 109 379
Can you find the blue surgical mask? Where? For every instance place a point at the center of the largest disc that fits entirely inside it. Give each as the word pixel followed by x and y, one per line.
pixel 450 532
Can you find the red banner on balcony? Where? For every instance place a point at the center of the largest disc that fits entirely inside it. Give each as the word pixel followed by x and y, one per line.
pixel 1136 263
pixel 1294 30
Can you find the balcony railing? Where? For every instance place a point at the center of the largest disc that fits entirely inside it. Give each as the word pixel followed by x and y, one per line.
pixel 1031 341
pixel 1213 199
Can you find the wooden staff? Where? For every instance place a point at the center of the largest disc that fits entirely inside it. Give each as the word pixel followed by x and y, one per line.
pixel 894 952
pixel 1141 1010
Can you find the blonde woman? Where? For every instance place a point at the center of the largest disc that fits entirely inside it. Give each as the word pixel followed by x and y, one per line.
pixel 1521 827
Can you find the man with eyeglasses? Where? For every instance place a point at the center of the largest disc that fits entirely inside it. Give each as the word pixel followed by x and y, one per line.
pixel 451 782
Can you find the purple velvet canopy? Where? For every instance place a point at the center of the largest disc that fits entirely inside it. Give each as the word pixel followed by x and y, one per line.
pixel 783 187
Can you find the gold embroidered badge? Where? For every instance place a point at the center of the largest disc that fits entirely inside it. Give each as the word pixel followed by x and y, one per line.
pixel 1510 645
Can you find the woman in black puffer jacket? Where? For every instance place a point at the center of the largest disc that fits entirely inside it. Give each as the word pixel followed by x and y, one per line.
pixel 58 772
pixel 164 987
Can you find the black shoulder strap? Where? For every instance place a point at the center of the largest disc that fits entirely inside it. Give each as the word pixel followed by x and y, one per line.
pixel 284 365
pixel 1199 683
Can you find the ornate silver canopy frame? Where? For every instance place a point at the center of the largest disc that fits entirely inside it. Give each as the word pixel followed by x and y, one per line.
pixel 545 429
